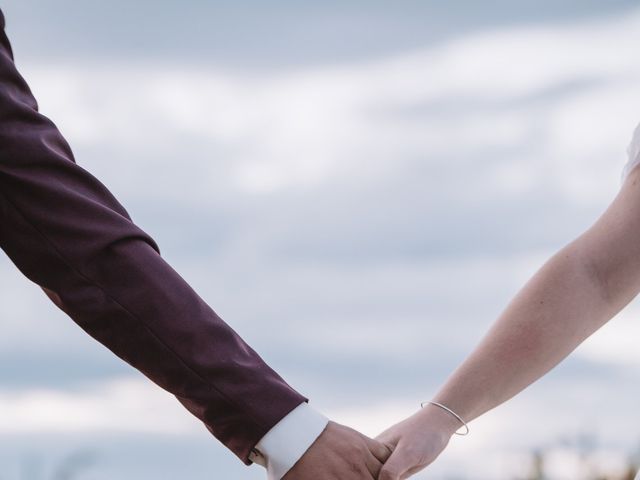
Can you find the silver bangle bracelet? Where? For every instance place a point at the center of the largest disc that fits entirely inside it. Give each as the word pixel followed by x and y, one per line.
pixel 452 413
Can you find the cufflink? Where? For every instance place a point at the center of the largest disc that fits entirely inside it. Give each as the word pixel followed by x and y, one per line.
pixel 256 452
pixel 256 456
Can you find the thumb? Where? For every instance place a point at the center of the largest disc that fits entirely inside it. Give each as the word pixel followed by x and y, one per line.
pixel 394 467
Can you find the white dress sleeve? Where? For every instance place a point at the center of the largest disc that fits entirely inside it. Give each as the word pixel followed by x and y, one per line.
pixel 633 151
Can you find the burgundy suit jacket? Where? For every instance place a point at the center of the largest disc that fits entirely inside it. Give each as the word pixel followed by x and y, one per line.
pixel 67 233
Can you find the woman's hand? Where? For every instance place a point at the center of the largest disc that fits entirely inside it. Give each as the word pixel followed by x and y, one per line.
pixel 416 441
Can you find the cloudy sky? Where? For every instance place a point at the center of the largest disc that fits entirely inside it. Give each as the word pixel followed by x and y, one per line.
pixel 358 188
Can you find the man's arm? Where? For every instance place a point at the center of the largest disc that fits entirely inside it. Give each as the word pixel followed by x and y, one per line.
pixel 67 233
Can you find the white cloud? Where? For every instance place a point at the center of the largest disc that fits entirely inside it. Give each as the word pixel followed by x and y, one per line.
pixel 118 405
pixel 299 128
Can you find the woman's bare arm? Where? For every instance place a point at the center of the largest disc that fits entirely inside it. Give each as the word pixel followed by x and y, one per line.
pixel 571 296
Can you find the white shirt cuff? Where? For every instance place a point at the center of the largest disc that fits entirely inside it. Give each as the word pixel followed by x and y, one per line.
pixel 289 440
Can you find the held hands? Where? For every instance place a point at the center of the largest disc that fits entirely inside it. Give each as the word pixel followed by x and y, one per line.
pixel 416 442
pixel 340 453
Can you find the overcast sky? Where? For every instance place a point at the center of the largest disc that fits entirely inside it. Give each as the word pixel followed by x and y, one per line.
pixel 358 188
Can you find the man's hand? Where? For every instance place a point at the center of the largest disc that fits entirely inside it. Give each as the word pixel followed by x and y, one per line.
pixel 340 453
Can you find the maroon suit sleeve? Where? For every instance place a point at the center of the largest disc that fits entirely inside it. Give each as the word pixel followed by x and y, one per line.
pixel 67 233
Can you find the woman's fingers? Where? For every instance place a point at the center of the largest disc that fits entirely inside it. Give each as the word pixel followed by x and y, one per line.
pixel 379 449
pixel 395 466
pixel 379 453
